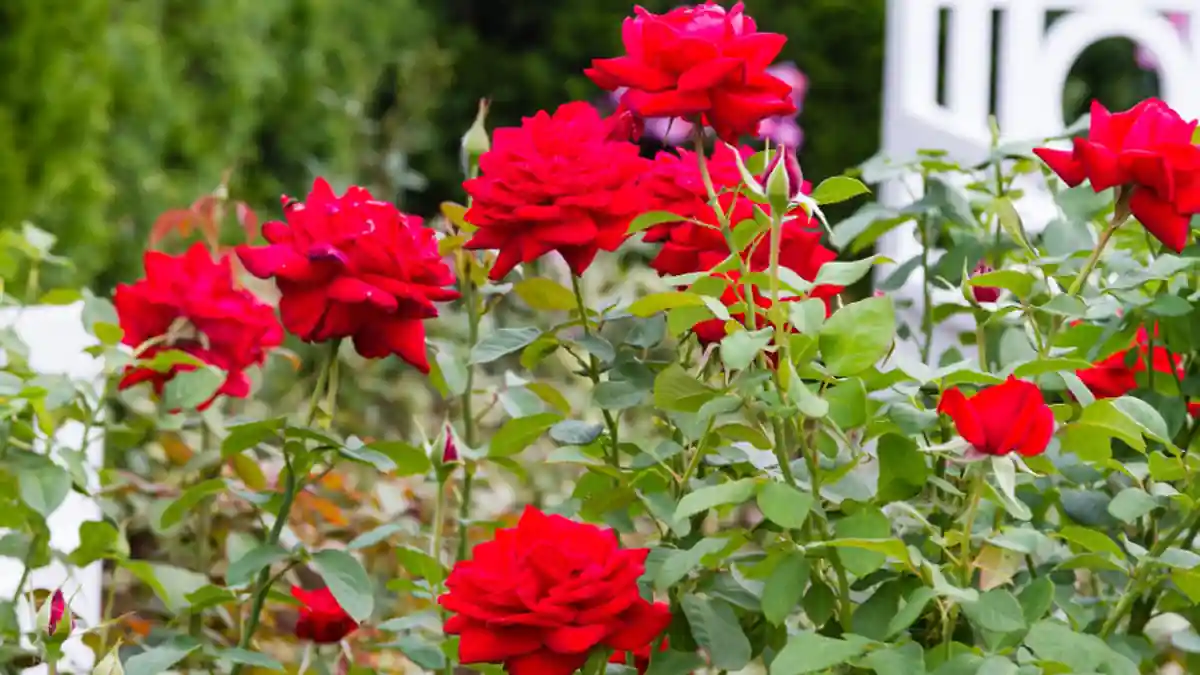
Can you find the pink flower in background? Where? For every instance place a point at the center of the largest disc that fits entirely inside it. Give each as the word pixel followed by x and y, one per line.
pixel 784 130
pixel 668 130
pixel 1146 59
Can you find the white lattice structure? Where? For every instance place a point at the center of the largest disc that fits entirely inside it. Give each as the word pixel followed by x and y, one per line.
pixel 56 339
pixel 1034 55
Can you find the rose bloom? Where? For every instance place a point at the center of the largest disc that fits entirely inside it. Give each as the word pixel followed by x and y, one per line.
pixel 354 267
pixel 322 619
pixel 1147 152
pixel 1117 375
pixel 566 182
pixel 700 61
pixel 1003 418
pixel 190 303
pixel 541 596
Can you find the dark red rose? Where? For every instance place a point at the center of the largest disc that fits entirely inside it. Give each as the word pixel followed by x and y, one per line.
pixel 791 164
pixel 984 293
pixel 1194 409
pixel 624 125
pixel 557 183
pixel 322 619
pixel 698 61
pixel 1003 418
pixel 541 596
pixel 354 267
pixel 190 303
pixel 1146 151
pixel 1117 375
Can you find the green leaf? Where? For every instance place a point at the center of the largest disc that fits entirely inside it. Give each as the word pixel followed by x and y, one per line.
pixel 378 535
pixel 847 403
pixel 1020 283
pixel 187 501
pixel 784 505
pixel 740 348
pixel 997 665
pixel 575 432
pixel 672 662
pixel 190 388
pixel 97 539
pixel 409 460
pixel 545 294
pixel 997 611
pixel 681 563
pixel 1145 416
pixel 847 273
pixel 651 218
pixel 1036 599
pixel 453 370
pixel 807 315
pixel 654 303
pixel 857 336
pixel 158 659
pixel 715 628
pixel 243 569
pixel 420 651
pixel 44 486
pixel 1105 417
pixel 733 492
pixel 1131 504
pixel 866 524
pixel 809 652
pixel 348 582
pixel 619 394
pixel 242 437
pixel 839 189
pixel 109 334
pixel 784 587
pixel 501 342
pixel 1090 540
pixel 1005 472
pixel 914 606
pixel 356 451
pixel 676 390
pixel 248 658
pixel 907 659
pixel 1037 367
pixel 519 433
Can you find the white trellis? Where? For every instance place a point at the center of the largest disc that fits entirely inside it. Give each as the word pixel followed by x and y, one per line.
pixel 1033 55
pixel 57 339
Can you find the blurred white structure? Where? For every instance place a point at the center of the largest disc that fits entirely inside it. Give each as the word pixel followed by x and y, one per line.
pixel 1034 52
pixel 56 339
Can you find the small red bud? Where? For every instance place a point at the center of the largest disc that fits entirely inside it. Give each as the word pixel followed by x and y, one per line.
pixel 450 453
pixel 984 293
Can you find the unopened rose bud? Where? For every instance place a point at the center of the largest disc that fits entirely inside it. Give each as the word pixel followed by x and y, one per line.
pixel 476 141
pixel 778 184
pixel 450 452
pixel 54 618
pixel 787 157
pixel 110 664
pixel 984 293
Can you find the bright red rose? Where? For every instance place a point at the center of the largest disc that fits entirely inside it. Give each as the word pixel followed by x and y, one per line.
pixel 354 267
pixel 984 293
pixel 698 61
pixel 1194 409
pixel 1146 150
pixel 674 183
pixel 541 596
pixel 190 303
pixel 322 619
pixel 564 182
pixel 1003 418
pixel 1117 375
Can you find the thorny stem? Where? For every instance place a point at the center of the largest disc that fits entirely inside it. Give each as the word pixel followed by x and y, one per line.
pixel 204 514
pixel 614 429
pixel 926 293
pixel 291 486
pixel 468 417
pixel 1120 215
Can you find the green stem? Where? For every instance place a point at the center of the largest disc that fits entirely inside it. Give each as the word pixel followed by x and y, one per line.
pixel 468 417
pixel 1134 589
pixel 203 528
pixel 845 605
pixel 614 430
pixel 926 293
pixel 974 497
pixel 1119 217
pixel 291 486
pixel 981 341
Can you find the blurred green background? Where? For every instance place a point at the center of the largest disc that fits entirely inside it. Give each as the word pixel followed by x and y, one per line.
pixel 112 111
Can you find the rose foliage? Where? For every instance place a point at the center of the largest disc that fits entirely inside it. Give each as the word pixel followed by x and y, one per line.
pixel 663 429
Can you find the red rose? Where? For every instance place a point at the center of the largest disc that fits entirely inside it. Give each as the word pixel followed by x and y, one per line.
pixel 542 595
pixel 698 61
pixel 1146 150
pixel 1193 409
pixel 190 303
pixel 353 266
pixel 58 607
pixel 322 619
pixel 1116 376
pixel 558 182
pixel 1004 418
pixel 984 293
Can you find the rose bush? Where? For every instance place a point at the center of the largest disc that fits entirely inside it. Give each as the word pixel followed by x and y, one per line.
pixel 663 432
